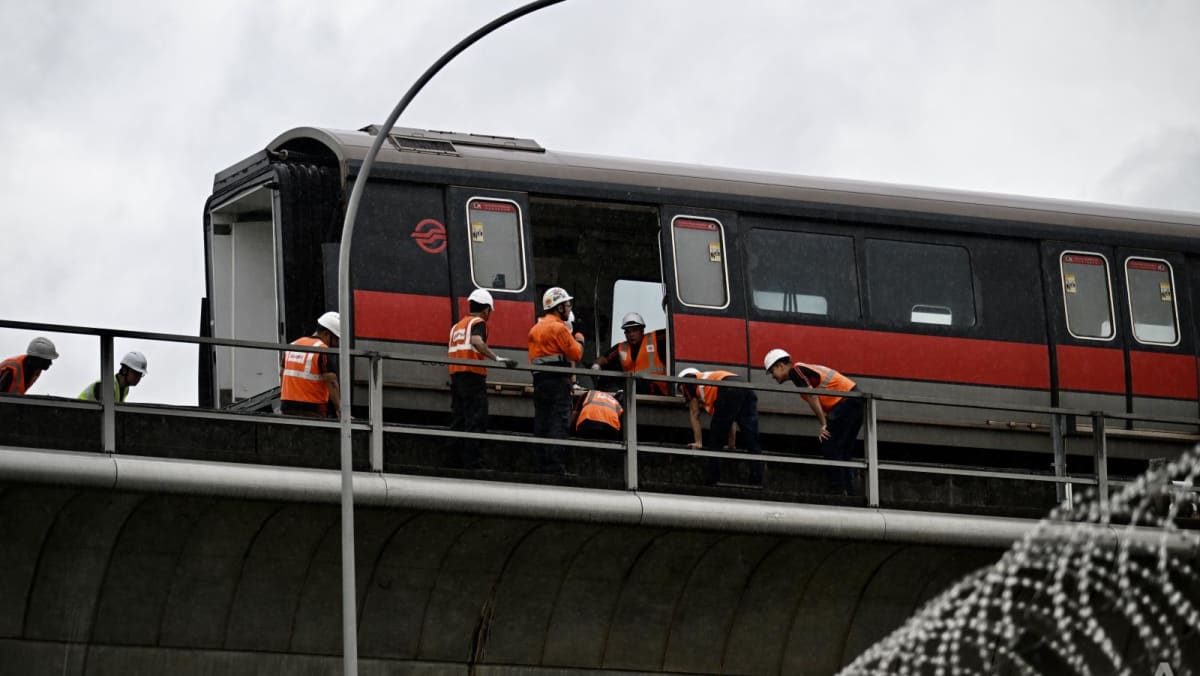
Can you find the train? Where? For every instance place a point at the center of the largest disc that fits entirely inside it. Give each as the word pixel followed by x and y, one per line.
pixel 913 292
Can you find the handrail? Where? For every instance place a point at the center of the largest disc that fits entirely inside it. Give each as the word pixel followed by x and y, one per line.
pixel 629 444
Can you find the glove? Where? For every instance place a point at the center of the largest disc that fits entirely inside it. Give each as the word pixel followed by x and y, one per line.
pixel 508 363
pixel 595 367
pixel 579 337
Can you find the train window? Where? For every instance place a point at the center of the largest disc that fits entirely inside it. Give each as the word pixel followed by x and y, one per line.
pixel 700 277
pixel 1151 287
pixel 918 283
pixel 1087 296
pixel 497 248
pixel 803 273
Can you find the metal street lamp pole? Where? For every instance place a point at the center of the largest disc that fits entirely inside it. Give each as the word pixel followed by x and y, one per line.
pixel 349 593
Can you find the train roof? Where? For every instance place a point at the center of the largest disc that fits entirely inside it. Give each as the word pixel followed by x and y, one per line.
pixel 453 151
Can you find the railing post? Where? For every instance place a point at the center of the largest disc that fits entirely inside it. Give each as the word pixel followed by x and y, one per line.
pixel 1057 428
pixel 375 411
pixel 108 413
pixel 871 445
pixel 1100 449
pixel 631 443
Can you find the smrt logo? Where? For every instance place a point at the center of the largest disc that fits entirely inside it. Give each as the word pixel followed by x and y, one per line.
pixel 430 236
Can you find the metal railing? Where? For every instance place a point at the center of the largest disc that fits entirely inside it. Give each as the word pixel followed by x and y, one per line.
pixel 871 464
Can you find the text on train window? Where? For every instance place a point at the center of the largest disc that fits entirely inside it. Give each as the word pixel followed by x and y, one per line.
pixel 1151 287
pixel 803 273
pixel 700 275
pixel 1087 296
pixel 918 283
pixel 497 244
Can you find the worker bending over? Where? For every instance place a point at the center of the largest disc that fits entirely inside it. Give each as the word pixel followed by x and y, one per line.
pixel 599 416
pixel 840 417
pixel 19 373
pixel 726 406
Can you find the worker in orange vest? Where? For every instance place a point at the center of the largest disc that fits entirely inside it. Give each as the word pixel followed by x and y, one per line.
pixel 309 383
pixel 468 384
pixel 726 406
pixel 598 416
pixel 840 417
pixel 551 344
pixel 641 352
pixel 19 373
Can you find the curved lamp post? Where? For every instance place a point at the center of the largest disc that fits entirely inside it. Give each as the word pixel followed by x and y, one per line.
pixel 349 594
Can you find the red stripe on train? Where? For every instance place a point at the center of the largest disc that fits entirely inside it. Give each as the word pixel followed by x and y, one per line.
pixel 710 339
pixel 1091 369
pixel 1158 374
pixel 907 356
pixel 416 318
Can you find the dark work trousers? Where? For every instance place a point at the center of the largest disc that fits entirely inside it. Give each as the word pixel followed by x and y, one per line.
pixel 842 423
pixel 594 429
pixel 468 413
pixel 739 406
pixel 551 418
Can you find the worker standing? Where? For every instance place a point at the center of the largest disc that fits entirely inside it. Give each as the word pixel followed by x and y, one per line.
pixel 133 369
pixel 551 344
pixel 310 379
pixel 726 406
pixel 599 416
pixel 641 352
pixel 19 373
pixel 840 417
pixel 468 384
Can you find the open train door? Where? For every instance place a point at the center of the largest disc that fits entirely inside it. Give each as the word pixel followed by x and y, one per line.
pixel 704 288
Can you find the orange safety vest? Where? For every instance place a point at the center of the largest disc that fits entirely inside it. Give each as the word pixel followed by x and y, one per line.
pixel 830 380
pixel 551 343
pixel 601 407
pixel 707 393
pixel 461 347
pixel 646 359
pixel 302 377
pixel 16 366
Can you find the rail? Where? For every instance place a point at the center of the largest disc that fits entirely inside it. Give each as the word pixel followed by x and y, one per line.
pixel 871 464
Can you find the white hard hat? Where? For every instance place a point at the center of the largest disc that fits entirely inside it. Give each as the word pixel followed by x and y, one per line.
pixel 331 321
pixel 482 297
pixel 554 297
pixel 136 361
pixel 689 372
pixel 42 347
pixel 632 319
pixel 774 356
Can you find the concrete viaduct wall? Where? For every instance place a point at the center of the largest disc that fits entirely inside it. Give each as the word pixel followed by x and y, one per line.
pixel 102 582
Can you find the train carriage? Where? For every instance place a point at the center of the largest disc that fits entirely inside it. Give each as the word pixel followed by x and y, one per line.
pixel 981 298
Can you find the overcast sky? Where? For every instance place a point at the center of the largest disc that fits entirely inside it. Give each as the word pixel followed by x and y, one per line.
pixel 114 116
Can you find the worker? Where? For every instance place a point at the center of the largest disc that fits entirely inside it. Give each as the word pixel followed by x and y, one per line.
pixel 598 416
pixel 840 417
pixel 310 379
pixel 726 406
pixel 640 352
pixel 133 369
pixel 551 344
pixel 19 373
pixel 468 384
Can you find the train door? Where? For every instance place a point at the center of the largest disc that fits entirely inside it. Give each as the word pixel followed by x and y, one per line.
pixel 704 285
pixel 1162 347
pixel 242 234
pixel 1089 344
pixel 490 247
